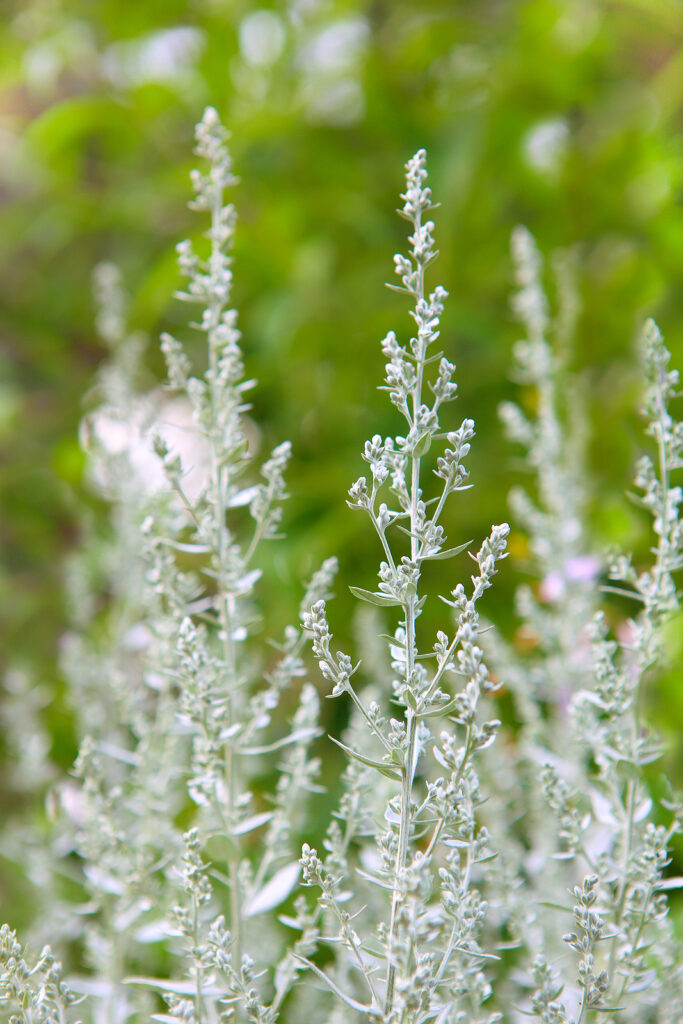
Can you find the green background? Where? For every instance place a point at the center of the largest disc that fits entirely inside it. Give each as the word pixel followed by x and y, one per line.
pixel 564 116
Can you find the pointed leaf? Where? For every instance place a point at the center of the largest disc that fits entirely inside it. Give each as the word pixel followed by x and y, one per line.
pixel 443 1014
pixel 382 600
pixel 186 546
pixel 181 988
pixel 375 880
pixel 645 980
pixel 439 710
pixel 349 1000
pixel 380 766
pixel 243 497
pixel 249 824
pixel 275 891
pixel 448 553
pixel 293 737
pixel 671 883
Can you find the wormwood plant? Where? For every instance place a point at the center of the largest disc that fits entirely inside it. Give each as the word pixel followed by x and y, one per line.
pixel 454 865
pixel 555 611
pixel 224 698
pixel 176 703
pixel 628 963
pixel 421 958
pixel 578 751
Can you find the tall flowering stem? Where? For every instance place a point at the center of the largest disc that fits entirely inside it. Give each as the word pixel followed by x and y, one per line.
pixel 635 972
pixel 223 704
pixel 414 979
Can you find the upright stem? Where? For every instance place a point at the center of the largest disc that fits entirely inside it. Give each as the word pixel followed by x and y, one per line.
pixel 652 615
pixel 198 1001
pixel 408 770
pixel 226 599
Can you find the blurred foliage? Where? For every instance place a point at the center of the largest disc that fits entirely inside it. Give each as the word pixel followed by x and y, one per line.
pixel 561 114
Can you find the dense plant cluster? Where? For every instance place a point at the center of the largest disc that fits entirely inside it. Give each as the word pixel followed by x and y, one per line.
pixel 479 865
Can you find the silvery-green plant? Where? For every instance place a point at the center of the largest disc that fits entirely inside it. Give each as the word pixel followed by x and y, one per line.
pixel 31 991
pixel 441 892
pixel 604 817
pixel 555 609
pixel 636 972
pixel 115 818
pixel 91 652
pixel 416 955
pixel 552 437
pixel 169 693
pixel 223 885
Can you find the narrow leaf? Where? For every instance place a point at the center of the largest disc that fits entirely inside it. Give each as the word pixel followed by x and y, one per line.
pixel 243 497
pixel 119 753
pixel 380 766
pixel 353 1003
pixel 275 891
pixel 382 600
pixel 181 988
pixel 671 883
pixel 645 980
pixel 443 1013
pixel 448 553
pixel 293 737
pixel 186 546
pixel 439 710
pixel 556 906
pixel 375 880
pixel 249 824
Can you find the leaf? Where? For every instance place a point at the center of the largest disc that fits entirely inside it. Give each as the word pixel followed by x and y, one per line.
pixel 392 640
pixel 439 710
pixel 556 906
pixel 187 547
pixel 382 600
pixel 448 553
pixel 643 809
pixel 153 931
pixel 442 1014
pixel 353 1003
pixel 275 891
pixel 438 754
pixel 293 737
pixel 671 883
pixel 602 808
pixel 244 497
pixel 249 824
pixel 290 922
pixel 640 984
pixel 375 880
pixel 244 585
pixel 119 753
pixel 181 988
pixel 476 953
pixel 232 730
pixel 380 766
pixel 90 987
pixel 104 880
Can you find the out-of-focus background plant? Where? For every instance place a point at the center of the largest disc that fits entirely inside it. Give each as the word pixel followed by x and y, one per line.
pixel 560 114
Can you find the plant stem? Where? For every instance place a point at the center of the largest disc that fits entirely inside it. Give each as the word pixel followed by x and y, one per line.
pixel 408 771
pixel 225 597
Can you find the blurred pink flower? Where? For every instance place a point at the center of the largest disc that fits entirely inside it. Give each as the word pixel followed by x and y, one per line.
pixel 580 569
